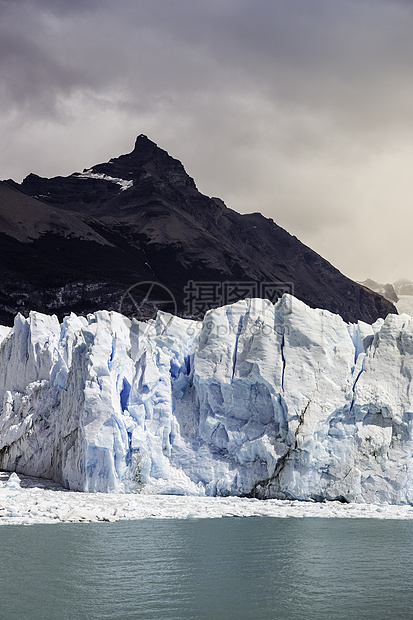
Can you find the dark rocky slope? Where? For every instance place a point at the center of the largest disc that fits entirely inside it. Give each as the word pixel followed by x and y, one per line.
pixel 140 217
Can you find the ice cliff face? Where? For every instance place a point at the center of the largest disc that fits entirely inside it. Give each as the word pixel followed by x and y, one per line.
pixel 261 399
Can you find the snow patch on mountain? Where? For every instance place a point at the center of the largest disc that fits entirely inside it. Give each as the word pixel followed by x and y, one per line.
pixel 258 399
pixel 89 174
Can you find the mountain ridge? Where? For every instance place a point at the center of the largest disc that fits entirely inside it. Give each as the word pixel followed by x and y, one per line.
pixel 156 226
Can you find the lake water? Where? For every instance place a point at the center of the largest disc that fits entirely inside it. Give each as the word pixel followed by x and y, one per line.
pixel 248 568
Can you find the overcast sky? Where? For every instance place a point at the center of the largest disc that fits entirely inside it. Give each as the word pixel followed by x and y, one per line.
pixel 299 109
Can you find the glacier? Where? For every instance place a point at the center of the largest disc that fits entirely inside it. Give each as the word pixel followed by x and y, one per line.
pixel 259 400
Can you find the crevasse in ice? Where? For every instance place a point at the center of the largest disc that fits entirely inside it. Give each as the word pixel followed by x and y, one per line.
pixel 257 399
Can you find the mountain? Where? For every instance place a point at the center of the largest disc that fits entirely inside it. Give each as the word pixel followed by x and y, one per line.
pixel 258 399
pixel 78 243
pixel 400 293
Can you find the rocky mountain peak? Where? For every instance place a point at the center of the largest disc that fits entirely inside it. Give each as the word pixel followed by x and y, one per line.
pixel 139 217
pixel 147 160
pixel 143 141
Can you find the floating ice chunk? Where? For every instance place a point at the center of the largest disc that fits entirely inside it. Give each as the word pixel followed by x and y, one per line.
pixel 33 505
pixel 13 482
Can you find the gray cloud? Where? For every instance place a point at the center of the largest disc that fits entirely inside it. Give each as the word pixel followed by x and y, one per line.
pixel 298 109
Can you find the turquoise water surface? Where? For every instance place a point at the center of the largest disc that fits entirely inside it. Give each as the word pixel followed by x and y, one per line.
pixel 252 568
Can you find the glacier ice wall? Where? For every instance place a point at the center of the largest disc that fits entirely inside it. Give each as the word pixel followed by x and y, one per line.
pixel 258 399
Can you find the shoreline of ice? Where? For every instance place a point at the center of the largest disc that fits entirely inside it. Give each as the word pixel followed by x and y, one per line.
pixel 25 500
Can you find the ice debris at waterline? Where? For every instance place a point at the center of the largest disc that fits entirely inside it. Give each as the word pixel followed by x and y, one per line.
pixel 272 401
pixel 25 501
